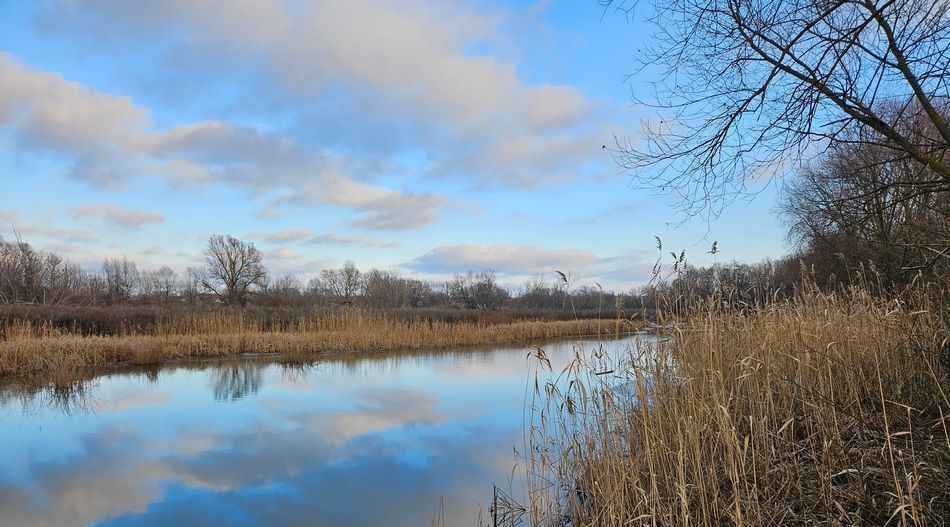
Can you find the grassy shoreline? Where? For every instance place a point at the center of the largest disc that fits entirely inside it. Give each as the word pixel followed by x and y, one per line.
pixel 38 352
pixel 831 409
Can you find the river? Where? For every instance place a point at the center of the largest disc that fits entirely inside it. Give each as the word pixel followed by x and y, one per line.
pixel 369 440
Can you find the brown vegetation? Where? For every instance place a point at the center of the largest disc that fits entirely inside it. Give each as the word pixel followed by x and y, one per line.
pixel 29 350
pixel 827 409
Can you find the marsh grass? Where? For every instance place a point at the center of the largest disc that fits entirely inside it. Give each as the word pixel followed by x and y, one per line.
pixel 829 409
pixel 48 352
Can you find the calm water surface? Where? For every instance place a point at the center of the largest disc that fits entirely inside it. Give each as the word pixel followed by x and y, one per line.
pixel 341 442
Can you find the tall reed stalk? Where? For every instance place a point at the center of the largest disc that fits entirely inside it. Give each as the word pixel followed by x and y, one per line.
pixel 829 409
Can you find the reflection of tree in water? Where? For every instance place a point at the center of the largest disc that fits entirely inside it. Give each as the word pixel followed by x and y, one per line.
pixel 234 382
pixel 66 398
pixel 296 372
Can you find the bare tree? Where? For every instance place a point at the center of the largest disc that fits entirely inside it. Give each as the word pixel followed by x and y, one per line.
pixel 165 283
pixel 191 285
pixel 22 269
pixel 860 203
pixel 121 276
pixel 146 286
pixel 36 276
pixel 749 88
pixel 477 290
pixel 536 293
pixel 385 289
pixel 285 291
pixel 351 280
pixel 234 269
pixel 342 284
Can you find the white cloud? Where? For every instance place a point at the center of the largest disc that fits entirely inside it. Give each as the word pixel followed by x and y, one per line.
pixel 117 215
pixel 411 61
pixel 9 218
pixel 516 262
pixel 283 236
pixel 101 134
pixel 55 233
pixel 335 239
pixel 215 150
pixel 529 158
pixel 109 140
pixel 312 266
pixel 380 208
pixel 412 52
pixel 284 253
pixel 504 258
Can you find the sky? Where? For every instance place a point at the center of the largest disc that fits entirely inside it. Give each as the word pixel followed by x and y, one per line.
pixel 425 136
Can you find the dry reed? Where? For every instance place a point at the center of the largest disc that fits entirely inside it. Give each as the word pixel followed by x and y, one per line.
pixel 830 409
pixel 43 351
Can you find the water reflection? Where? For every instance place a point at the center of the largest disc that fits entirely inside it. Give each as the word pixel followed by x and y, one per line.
pixel 68 398
pixel 235 382
pixel 373 440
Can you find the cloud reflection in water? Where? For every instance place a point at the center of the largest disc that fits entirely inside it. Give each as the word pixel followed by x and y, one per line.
pixel 348 441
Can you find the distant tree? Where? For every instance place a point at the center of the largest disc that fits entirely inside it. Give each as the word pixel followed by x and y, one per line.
pixel 121 277
pixel 316 293
pixel 36 276
pixel 385 289
pixel 477 290
pixel 288 284
pixel 343 284
pixel 537 293
pixel 861 204
pixel 419 293
pixel 20 271
pixel 166 283
pixel 488 293
pixel 146 286
pixel 286 291
pixel 458 291
pixel 751 88
pixel 191 285
pixel 234 269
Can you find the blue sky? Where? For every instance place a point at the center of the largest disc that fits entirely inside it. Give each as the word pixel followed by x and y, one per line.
pixel 421 135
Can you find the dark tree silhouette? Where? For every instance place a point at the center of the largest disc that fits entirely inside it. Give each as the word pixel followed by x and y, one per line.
pixel 234 269
pixel 751 89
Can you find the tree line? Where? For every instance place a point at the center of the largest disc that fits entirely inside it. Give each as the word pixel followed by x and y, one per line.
pixel 234 274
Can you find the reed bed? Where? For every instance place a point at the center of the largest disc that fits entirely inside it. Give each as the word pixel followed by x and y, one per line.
pixel 44 351
pixel 829 409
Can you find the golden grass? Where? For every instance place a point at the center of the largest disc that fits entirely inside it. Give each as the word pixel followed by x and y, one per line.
pixel 831 409
pixel 44 352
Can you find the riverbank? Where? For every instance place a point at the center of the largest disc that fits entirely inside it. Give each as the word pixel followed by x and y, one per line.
pixel 46 352
pixel 831 409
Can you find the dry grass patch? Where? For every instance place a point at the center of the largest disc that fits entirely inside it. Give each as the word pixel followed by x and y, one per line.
pixel 831 409
pixel 45 352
